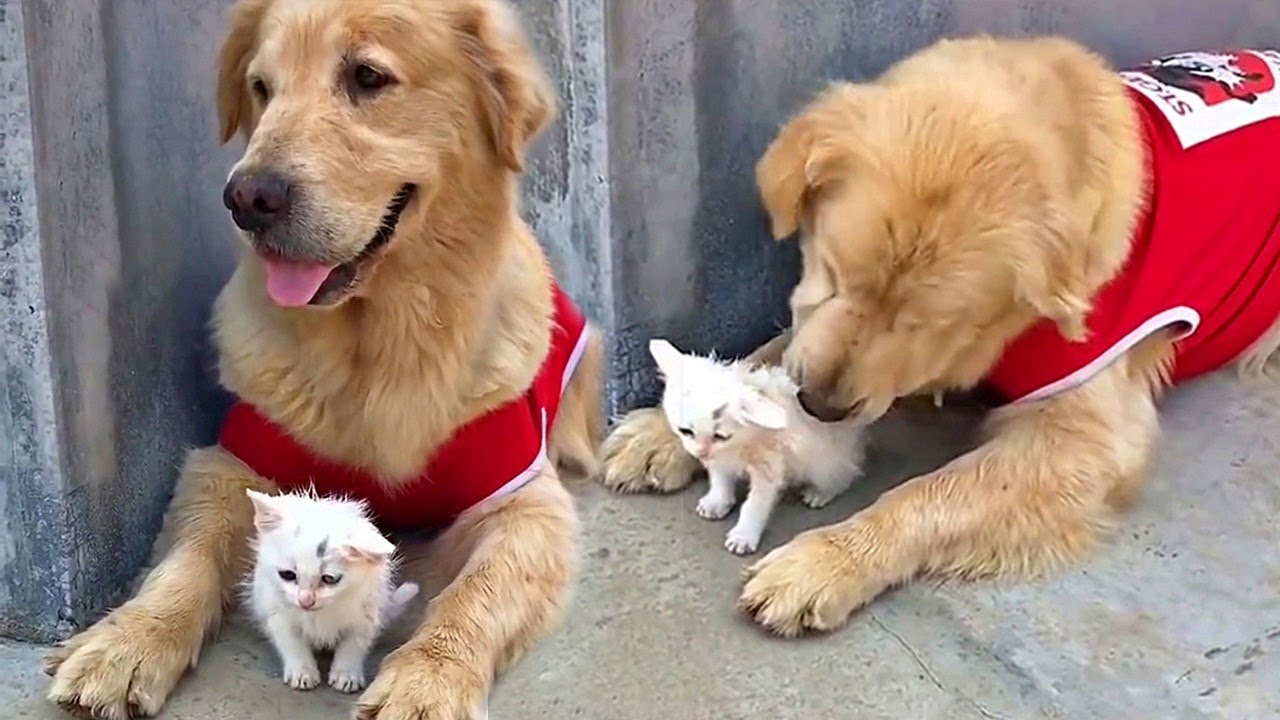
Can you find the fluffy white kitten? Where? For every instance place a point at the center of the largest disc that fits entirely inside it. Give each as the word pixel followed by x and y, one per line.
pixel 744 421
pixel 322 579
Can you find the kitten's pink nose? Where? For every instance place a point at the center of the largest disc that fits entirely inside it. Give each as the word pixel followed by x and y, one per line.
pixel 306 599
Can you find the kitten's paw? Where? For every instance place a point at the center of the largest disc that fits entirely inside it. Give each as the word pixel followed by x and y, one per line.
pixel 741 543
pixel 302 676
pixel 815 498
pixel 714 507
pixel 347 680
pixel 642 454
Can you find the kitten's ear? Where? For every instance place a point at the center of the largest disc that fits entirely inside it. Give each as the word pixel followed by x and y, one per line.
pixel 367 545
pixel 266 514
pixel 757 409
pixel 666 356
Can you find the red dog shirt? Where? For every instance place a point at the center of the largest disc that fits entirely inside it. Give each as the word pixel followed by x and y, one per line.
pixel 1206 254
pixel 495 454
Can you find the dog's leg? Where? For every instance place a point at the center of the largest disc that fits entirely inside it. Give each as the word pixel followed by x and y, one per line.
pixel 127 664
pixel 642 454
pixel 514 560
pixel 1031 499
pixel 575 439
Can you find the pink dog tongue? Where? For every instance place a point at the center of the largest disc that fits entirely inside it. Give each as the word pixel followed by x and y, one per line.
pixel 293 284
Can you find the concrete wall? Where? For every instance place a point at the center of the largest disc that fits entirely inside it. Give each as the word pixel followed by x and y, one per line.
pixel 30 472
pixel 122 212
pixel 115 240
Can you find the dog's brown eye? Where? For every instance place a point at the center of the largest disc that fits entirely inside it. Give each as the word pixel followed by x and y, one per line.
pixel 260 89
pixel 369 79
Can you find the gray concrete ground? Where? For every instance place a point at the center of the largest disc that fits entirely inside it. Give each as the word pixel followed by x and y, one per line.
pixel 1179 617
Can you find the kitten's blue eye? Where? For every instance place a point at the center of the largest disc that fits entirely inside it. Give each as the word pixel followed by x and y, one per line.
pixel 328 579
pixel 687 432
pixel 288 575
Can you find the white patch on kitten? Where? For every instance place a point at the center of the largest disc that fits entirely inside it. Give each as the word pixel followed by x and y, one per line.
pixel 322 581
pixel 744 421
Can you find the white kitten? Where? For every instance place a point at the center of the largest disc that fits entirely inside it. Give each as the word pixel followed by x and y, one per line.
pixel 322 580
pixel 743 421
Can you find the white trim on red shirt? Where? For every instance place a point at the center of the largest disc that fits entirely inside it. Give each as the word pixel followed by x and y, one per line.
pixel 1157 322
pixel 541 459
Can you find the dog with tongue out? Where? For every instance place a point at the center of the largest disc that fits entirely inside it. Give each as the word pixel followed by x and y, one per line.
pixel 393 334
pixel 260 203
pixel 291 283
pixel 493 455
pixel 300 272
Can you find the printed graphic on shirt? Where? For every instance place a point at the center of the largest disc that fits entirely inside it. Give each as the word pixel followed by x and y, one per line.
pixel 1207 94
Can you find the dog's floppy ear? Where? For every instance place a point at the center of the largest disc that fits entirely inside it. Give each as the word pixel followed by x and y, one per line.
pixel 233 60
pixel 782 176
pixel 812 149
pixel 517 98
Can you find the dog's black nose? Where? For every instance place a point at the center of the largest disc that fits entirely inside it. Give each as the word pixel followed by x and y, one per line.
pixel 820 407
pixel 256 200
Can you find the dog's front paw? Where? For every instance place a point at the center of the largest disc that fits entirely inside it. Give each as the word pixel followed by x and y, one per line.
pixel 812 583
pixel 126 665
pixel 643 455
pixel 415 683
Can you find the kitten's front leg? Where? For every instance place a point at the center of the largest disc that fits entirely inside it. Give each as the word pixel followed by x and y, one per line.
pixel 766 488
pixel 300 670
pixel 720 497
pixel 346 674
pixel 822 490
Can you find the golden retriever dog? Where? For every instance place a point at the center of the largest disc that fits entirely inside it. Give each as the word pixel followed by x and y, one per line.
pixel 1016 214
pixel 389 295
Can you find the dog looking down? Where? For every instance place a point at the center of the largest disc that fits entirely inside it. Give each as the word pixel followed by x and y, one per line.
pixel 1018 215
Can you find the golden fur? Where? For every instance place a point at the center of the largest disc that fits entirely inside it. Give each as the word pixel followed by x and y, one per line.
pixel 451 320
pixel 974 188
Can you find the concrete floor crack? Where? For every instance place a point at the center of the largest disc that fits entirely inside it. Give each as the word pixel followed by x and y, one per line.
pixel 919 660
